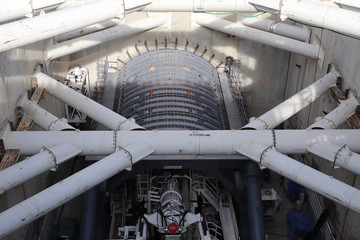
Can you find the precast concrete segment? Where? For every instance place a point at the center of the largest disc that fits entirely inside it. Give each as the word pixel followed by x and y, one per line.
pixel 84 104
pixel 23 32
pixel 337 116
pixel 260 36
pixel 338 155
pixel 97 38
pixel 327 186
pixel 293 105
pixel 199 6
pixel 43 118
pixel 216 142
pixel 172 89
pixel 46 159
pixel 67 189
pixel 321 15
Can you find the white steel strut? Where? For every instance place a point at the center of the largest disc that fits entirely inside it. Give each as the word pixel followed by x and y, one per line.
pixel 58 194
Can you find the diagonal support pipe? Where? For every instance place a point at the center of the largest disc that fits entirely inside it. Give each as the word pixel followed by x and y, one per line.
pixel 293 105
pixel 337 116
pixel 260 36
pixel 23 32
pixel 279 28
pixel 84 104
pixel 338 155
pixel 67 189
pixel 91 40
pixel 43 118
pixel 87 30
pixel 319 182
pixel 30 167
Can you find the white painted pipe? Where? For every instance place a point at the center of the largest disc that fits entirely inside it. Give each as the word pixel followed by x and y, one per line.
pixel 41 4
pixel 306 176
pixel 23 32
pixel 256 35
pixel 338 155
pixel 84 42
pixel 321 15
pixel 200 6
pixel 12 9
pixel 90 29
pixel 350 3
pixel 181 142
pixel 293 105
pixel 135 5
pixel 85 105
pixel 283 29
pixel 43 118
pixel 67 189
pixel 337 116
pixel 48 158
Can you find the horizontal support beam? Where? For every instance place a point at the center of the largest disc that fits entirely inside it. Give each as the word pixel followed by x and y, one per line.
pixel 181 142
pixel 260 36
pixel 199 6
pixel 67 189
pixel 308 177
pixel 47 158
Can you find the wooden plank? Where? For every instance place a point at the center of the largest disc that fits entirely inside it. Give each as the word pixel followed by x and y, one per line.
pixel 10 158
pixel 38 95
pixel 25 123
pixel 2 149
pixel 354 121
pixel 337 94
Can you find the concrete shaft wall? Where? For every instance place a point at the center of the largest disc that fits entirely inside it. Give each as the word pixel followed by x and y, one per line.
pixel 268 76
